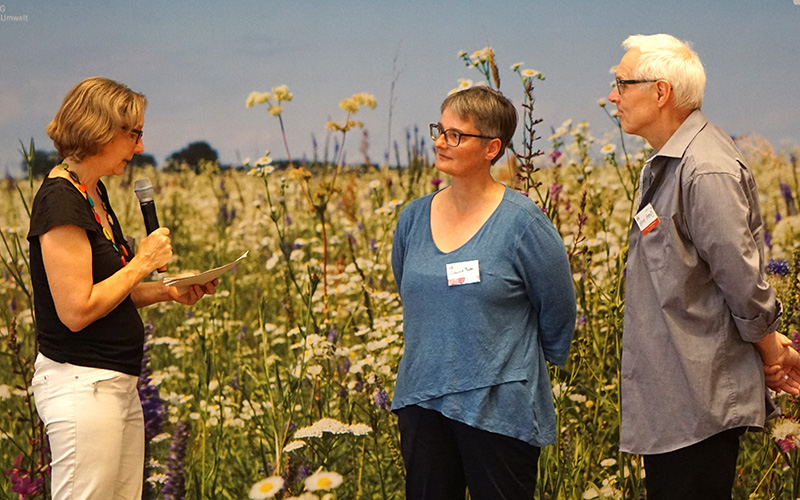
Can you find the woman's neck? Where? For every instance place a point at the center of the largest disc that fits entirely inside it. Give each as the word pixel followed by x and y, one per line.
pixel 469 194
pixel 85 172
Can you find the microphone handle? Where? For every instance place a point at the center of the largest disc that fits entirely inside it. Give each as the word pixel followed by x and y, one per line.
pixel 151 222
pixel 150 217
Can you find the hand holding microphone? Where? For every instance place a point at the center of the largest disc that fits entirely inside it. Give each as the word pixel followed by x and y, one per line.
pixel 144 192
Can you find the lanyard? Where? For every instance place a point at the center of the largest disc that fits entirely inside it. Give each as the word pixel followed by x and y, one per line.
pixel 658 178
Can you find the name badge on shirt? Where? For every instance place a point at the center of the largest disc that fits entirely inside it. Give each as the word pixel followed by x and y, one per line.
pixel 647 219
pixel 463 273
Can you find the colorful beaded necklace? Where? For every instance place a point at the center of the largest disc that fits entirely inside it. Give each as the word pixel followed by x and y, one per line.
pixel 121 250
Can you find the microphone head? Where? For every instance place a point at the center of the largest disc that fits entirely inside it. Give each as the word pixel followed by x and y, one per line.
pixel 143 189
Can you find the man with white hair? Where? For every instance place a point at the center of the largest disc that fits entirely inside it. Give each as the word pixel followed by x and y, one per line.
pixel 700 341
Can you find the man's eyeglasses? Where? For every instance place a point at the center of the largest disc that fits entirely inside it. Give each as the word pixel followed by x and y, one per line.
pixel 452 137
pixel 138 133
pixel 620 84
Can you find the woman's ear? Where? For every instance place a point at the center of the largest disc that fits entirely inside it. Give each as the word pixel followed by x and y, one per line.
pixel 493 148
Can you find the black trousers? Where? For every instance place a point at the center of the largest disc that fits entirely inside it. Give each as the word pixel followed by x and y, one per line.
pixel 444 458
pixel 702 471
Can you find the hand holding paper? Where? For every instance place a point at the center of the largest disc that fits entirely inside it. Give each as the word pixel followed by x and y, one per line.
pixel 184 282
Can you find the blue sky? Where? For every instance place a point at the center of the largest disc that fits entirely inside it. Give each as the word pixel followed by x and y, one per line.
pixel 198 60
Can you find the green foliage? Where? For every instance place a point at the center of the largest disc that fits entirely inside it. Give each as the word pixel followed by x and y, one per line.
pixel 37 163
pixel 142 160
pixel 191 156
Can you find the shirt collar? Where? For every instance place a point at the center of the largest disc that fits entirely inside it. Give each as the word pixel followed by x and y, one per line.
pixel 676 145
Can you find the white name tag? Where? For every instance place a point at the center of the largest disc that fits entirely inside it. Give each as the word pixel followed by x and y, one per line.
pixel 463 273
pixel 647 219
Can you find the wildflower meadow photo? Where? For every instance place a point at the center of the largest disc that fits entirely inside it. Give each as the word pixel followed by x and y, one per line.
pixel 280 384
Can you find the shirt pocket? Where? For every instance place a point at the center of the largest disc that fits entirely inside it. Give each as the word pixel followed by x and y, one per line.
pixel 655 244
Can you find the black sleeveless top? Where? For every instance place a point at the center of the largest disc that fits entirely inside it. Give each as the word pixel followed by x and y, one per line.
pixel 115 341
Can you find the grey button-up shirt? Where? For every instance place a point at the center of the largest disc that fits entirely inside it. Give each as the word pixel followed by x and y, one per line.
pixel 696 297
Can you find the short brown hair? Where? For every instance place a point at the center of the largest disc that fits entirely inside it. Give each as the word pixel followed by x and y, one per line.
pixel 493 114
pixel 92 113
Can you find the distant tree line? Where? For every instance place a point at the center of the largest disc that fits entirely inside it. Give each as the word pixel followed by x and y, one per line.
pixel 190 157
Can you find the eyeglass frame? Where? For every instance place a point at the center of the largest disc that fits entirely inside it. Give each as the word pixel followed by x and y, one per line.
pixel 618 82
pixel 138 132
pixel 459 135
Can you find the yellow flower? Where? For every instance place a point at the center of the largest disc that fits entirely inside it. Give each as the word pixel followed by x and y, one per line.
pixel 275 110
pixel 323 481
pixel 365 99
pixel 266 488
pixel 301 174
pixel 257 98
pixel 281 93
pixel 350 105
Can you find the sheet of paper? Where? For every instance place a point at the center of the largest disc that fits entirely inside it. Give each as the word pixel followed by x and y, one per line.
pixel 183 282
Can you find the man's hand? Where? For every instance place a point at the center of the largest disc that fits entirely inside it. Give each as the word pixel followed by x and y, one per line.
pixel 781 363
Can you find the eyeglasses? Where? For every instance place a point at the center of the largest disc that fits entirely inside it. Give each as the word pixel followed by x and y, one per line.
pixel 452 137
pixel 138 133
pixel 620 84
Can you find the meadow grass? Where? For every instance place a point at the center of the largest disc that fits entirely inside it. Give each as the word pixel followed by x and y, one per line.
pixel 280 384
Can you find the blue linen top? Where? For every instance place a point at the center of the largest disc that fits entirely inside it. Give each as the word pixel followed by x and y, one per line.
pixel 476 352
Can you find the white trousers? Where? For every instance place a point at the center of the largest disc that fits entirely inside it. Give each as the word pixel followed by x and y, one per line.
pixel 94 422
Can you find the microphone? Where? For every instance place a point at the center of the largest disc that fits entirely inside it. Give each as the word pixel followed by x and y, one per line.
pixel 144 192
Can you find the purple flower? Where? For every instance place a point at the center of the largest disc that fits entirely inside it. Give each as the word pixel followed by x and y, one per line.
pixel 436 181
pixel 153 407
pixel 555 191
pixel 175 487
pixel 381 399
pixel 359 385
pixel 778 267
pixel 786 193
pixel 304 472
pixel 21 481
pixel 786 445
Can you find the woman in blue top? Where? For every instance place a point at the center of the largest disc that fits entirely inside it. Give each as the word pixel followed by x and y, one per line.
pixel 487 299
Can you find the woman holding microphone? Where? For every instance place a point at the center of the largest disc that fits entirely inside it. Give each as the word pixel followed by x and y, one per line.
pixel 87 287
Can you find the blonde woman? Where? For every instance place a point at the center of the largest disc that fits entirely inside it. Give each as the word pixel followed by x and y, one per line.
pixel 87 287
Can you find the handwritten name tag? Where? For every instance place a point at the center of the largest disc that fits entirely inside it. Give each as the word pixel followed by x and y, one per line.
pixel 463 273
pixel 647 219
